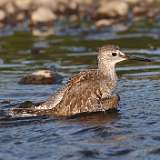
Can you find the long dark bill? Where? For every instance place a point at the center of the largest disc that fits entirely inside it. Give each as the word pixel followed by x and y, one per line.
pixel 140 59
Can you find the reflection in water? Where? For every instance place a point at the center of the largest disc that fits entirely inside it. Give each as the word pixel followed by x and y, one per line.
pixel 96 118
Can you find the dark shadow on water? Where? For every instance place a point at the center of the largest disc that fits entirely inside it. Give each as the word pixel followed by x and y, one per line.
pixel 83 118
pixel 95 118
pixel 6 121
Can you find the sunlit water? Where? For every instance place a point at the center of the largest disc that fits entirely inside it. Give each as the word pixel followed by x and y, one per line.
pixel 130 133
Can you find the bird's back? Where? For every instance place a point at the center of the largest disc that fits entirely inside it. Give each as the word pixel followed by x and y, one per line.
pixel 82 93
pixel 75 85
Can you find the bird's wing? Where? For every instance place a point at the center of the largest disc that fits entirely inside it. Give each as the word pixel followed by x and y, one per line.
pixel 82 94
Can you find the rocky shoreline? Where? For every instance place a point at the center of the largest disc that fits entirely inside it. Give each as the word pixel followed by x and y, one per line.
pixel 103 13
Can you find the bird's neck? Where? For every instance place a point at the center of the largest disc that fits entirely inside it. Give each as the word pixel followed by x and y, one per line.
pixel 108 69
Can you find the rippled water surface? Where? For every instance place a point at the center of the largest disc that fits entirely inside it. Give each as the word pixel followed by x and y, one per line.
pixel 133 132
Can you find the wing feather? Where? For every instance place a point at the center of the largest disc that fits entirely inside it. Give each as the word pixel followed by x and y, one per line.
pixel 82 94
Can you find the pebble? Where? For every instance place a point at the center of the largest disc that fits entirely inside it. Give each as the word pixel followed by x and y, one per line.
pixel 23 4
pixel 2 18
pixel 101 13
pixel 41 77
pixel 20 17
pixel 42 15
pixel 113 9
pixel 42 33
pixel 10 8
pixel 2 15
pixel 104 23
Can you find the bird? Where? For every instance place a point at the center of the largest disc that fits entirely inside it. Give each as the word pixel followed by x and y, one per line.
pixel 91 90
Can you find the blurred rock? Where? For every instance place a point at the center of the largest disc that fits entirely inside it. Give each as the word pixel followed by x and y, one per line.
pixel 41 77
pixel 22 4
pixel 2 18
pixel 42 15
pixel 2 15
pixel 51 4
pixel 153 13
pixel 147 8
pixel 104 23
pixel 3 3
pixel 66 7
pixel 132 2
pixel 139 10
pixel 10 8
pixel 20 17
pixel 42 32
pixel 72 7
pixel 112 9
pixel 102 13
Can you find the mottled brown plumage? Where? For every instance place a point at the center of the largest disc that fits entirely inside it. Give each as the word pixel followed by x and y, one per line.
pixel 83 93
pixel 88 91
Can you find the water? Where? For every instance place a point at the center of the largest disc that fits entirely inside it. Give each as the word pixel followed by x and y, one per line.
pixel 130 133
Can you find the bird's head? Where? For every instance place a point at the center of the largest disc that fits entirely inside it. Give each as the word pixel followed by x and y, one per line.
pixel 111 54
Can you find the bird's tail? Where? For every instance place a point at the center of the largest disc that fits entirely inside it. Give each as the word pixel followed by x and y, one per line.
pixel 22 112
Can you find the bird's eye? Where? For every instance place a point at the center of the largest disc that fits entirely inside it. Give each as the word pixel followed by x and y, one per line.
pixel 114 54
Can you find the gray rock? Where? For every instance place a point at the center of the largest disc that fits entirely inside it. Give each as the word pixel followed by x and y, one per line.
pixel 41 77
pixel 104 23
pixel 42 15
pixel 10 8
pixel 2 18
pixel 2 15
pixel 113 9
